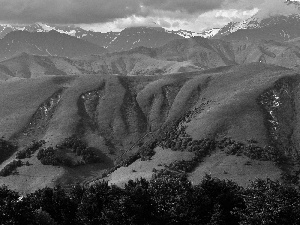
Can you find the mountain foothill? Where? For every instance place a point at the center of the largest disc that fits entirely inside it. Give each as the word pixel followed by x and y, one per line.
pixel 78 107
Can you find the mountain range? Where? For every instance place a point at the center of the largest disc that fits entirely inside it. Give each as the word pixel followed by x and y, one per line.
pixel 181 55
pixel 50 43
pixel 265 25
pixel 111 41
pixel 282 27
pixel 150 102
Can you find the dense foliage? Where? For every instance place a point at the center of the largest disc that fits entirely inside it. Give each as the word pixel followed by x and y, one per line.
pixel 56 156
pixel 269 202
pixel 30 149
pixel 48 156
pixel 173 135
pixel 6 149
pixel 11 168
pixel 163 200
pixel 80 148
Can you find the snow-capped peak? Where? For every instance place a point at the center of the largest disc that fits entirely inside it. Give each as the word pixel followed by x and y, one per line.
pixel 209 33
pixel 44 27
pixel 270 14
pixel 184 33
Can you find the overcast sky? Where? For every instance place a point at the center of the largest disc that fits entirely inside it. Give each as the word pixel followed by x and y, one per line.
pixel 106 15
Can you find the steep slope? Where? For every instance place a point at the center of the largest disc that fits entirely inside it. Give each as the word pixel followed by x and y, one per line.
pixel 265 25
pixel 126 39
pixel 132 37
pixel 278 28
pixel 268 52
pixel 42 27
pixel 112 41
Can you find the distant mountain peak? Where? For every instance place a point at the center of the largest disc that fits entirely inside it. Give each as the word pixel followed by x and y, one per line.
pixel 277 21
pixel 47 43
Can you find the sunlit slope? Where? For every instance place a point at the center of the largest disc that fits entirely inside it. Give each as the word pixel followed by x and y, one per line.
pixel 231 103
pixel 21 98
pixel 114 113
pixel 121 109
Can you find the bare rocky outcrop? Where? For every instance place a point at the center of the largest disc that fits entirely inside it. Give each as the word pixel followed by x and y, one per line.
pixel 278 105
pixel 38 124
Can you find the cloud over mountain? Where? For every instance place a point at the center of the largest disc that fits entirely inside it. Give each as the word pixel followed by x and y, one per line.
pixel 96 11
pixel 67 11
pixel 104 16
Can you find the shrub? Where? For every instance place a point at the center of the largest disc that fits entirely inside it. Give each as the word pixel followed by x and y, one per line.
pixel 6 149
pixel 14 210
pixel 270 202
pixel 73 143
pixel 80 148
pixel 10 168
pixel 89 156
pixel 29 150
pixel 49 156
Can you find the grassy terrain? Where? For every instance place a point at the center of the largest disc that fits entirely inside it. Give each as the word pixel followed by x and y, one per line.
pixel 116 115
pixel 239 169
pixel 144 169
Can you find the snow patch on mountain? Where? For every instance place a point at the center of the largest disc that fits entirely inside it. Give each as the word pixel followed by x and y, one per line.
pixel 184 33
pixel 189 34
pixel 44 27
pixel 209 33
pixel 273 12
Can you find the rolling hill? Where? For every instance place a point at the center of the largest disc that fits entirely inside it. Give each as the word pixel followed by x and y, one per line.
pixel 118 116
pixel 181 55
pixel 189 106
pixel 29 66
pixel 213 53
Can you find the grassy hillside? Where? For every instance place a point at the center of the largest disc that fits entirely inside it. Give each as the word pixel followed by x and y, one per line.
pixel 248 112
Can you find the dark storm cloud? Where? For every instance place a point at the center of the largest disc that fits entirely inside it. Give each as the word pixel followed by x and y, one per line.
pixel 97 11
pixel 66 11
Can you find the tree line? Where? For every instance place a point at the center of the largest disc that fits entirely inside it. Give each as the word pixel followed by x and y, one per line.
pixel 162 200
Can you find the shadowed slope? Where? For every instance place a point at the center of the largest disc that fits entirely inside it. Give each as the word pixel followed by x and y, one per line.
pixel 46 43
